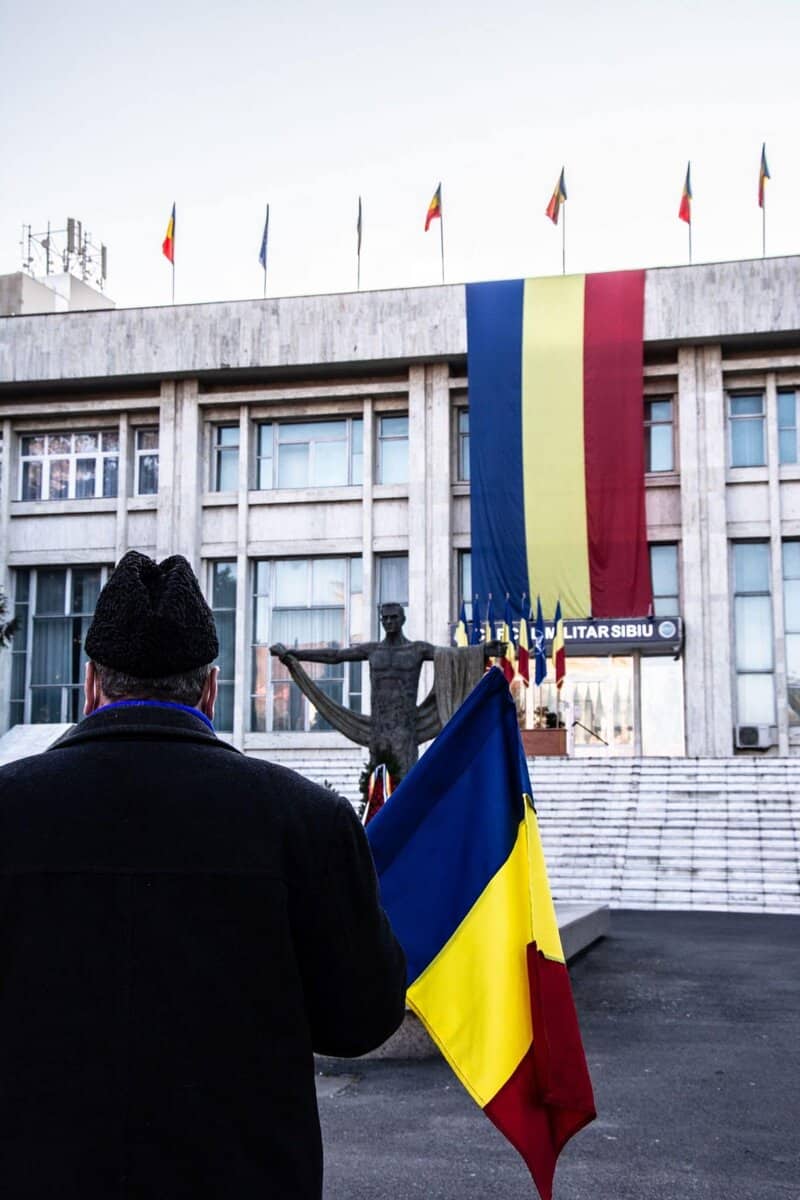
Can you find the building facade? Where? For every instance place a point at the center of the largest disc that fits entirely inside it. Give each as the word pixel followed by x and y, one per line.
pixel 310 457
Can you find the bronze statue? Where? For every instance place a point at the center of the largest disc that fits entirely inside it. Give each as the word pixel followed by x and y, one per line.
pixel 397 724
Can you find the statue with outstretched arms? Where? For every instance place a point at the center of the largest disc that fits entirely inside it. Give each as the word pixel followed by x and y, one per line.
pixel 397 723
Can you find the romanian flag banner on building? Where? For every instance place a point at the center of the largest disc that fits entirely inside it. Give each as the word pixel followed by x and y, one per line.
pixel 486 970
pixel 556 448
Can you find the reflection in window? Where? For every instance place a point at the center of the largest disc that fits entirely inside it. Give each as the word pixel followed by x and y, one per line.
pixel 299 454
pixel 392 462
pixel 309 602
pixel 223 606
pixel 791 604
pixel 752 612
pixel 746 422
pixel 54 606
pixel 664 573
pixel 787 427
pixel 146 453
pixel 69 466
pixel 392 582
pixel 658 439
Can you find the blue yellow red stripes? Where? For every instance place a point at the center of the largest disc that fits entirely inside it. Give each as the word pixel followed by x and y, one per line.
pixel 463 879
pixel 556 449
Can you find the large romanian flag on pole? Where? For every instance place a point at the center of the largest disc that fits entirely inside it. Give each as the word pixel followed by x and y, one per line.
pixel 556 449
pixel 486 971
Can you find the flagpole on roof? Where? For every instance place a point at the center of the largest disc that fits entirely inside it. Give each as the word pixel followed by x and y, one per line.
pixel 358 248
pixel 441 228
pixel 564 241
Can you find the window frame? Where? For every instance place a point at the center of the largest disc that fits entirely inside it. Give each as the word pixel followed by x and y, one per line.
pixel 793 428
pixel 72 456
pixel 382 440
pixel 672 612
pixel 218 449
pixel 649 423
pixel 746 593
pixel 462 436
pixel 734 418
pixel 139 453
pixel 352 682
pixel 354 456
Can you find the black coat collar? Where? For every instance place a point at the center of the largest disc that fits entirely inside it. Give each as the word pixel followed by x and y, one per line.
pixel 141 722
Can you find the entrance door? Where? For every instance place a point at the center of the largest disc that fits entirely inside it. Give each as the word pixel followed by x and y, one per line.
pixel 597 704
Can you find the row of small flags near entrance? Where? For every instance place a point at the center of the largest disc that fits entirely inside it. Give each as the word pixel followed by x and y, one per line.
pixel 515 660
pixel 435 210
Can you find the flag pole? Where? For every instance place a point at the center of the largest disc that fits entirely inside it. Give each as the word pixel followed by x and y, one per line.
pixel 358 248
pixel 690 242
pixel 764 225
pixel 266 236
pixel 441 231
pixel 563 240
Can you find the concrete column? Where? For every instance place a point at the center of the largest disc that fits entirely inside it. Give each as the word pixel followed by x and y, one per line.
pixel 242 627
pixel 125 487
pixel 718 665
pixel 704 551
pixel 186 477
pixel 691 551
pixel 367 538
pixel 438 465
pixel 5 517
pixel 5 500
pixel 776 563
pixel 418 563
pixel 165 517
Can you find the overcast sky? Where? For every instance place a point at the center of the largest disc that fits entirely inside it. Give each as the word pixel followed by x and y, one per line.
pixel 111 112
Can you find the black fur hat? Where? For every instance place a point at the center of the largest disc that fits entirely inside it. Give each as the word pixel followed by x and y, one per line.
pixel 151 619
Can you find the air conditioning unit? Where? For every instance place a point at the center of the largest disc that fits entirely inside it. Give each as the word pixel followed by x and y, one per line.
pixel 755 737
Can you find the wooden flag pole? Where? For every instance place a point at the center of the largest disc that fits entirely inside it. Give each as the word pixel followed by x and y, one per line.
pixel 764 224
pixel 563 240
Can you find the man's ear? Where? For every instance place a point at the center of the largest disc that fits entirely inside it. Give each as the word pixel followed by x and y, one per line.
pixel 91 690
pixel 208 696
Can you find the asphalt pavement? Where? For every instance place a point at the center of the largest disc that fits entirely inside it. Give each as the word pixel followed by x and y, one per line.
pixel 691 1025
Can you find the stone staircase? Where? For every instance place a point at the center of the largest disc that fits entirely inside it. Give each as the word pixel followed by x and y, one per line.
pixel 654 832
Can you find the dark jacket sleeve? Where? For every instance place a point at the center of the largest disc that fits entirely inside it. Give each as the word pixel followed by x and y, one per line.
pixel 353 967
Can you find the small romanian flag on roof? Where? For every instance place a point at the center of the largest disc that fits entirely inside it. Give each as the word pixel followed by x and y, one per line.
pixel 557 199
pixel 685 210
pixel 763 175
pixel 168 245
pixel 434 208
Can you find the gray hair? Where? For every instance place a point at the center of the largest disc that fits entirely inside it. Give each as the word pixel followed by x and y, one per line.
pixel 185 688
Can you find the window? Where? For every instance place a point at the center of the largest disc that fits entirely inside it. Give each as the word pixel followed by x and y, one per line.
pixel 664 573
pixel 299 454
pixel 787 427
pixel 223 606
pixel 746 421
pixel 54 606
pixel 225 458
pixel 462 435
pixel 392 582
pixel 791 603
pixel 392 450
pixel 69 466
pixel 658 440
pixel 465 581
pixel 146 454
pixel 309 602
pixel 752 616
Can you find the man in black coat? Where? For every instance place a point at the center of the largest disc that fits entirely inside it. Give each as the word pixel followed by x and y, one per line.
pixel 181 928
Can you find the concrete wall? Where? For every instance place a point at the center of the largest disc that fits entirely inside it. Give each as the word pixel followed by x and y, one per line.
pixel 682 304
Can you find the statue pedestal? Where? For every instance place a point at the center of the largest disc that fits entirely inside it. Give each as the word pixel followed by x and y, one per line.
pixel 539 743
